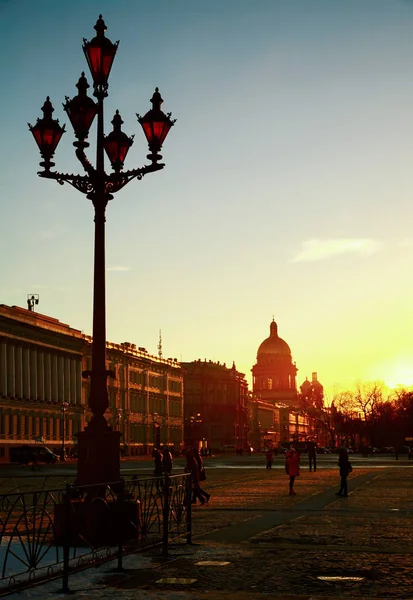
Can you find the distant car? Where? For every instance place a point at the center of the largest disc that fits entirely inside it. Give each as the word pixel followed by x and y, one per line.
pixel 24 455
pixel 403 450
pixel 387 450
pixel 338 448
pixel 323 450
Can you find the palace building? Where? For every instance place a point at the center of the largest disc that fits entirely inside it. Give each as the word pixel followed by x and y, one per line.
pixel 44 399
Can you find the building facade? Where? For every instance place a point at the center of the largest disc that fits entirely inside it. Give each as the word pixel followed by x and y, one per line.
pixel 275 414
pixel 145 397
pixel 216 405
pixel 40 370
pixel 44 399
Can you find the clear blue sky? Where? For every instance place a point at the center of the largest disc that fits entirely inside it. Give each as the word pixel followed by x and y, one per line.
pixel 287 189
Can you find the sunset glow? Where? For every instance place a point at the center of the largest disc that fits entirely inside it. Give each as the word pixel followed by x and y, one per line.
pixel 287 190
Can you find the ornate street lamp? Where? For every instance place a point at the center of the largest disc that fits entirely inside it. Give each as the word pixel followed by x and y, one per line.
pixel 64 407
pixel 98 445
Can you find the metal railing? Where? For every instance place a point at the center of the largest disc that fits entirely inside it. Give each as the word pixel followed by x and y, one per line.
pixel 49 534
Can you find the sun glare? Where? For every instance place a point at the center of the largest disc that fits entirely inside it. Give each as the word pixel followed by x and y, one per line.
pixel 397 374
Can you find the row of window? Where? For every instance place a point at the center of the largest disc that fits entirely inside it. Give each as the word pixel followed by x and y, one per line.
pixel 154 381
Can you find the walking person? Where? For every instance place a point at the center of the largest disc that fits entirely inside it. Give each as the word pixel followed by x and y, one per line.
pixel 193 468
pixel 167 462
pixel 202 472
pixel 292 467
pixel 345 468
pixel 312 455
pixel 157 471
pixel 269 455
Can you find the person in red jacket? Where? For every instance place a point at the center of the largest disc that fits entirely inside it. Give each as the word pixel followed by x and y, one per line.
pixel 269 455
pixel 292 467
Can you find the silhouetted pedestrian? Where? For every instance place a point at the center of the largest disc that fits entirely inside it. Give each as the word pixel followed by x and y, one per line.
pixel 312 455
pixel 269 455
pixel 192 467
pixel 202 472
pixel 292 467
pixel 345 468
pixel 167 463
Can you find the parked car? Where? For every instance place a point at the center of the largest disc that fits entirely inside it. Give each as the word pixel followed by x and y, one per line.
pixel 24 455
pixel 403 450
pixel 338 448
pixel 387 450
pixel 323 450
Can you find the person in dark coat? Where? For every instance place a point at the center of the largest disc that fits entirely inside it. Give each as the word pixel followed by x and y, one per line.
pixel 202 474
pixel 292 467
pixel 312 455
pixel 157 471
pixel 193 468
pixel 269 455
pixel 345 468
pixel 157 459
pixel 167 463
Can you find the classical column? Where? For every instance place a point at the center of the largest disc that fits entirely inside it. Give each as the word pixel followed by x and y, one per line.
pixel 26 372
pixel 55 383
pixel 79 384
pixel 7 424
pixel 66 380
pixel 18 366
pixel 3 369
pixel 40 374
pixel 11 389
pixel 47 377
pixel 14 425
pixel 61 379
pixel 23 432
pixel 33 373
pixel 73 390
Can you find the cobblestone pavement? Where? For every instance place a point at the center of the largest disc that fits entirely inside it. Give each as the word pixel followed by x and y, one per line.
pixel 364 541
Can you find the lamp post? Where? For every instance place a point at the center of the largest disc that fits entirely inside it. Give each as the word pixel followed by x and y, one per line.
pixel 98 445
pixel 119 413
pixel 64 407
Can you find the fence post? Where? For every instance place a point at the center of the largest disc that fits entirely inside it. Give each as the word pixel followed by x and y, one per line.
pixel 165 532
pixel 66 539
pixel 121 517
pixel 188 504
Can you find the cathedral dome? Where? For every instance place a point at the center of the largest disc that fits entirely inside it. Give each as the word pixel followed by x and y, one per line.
pixel 274 345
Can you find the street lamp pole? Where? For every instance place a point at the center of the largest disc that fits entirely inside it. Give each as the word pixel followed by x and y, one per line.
pixel 65 406
pixel 98 445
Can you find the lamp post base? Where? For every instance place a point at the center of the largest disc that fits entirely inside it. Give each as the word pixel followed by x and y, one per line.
pixel 98 457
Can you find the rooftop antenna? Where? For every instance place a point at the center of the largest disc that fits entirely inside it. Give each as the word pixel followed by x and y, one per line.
pixel 32 300
pixel 160 344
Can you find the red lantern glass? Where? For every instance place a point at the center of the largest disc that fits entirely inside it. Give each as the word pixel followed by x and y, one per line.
pixel 156 124
pixel 100 53
pixel 117 144
pixel 81 109
pixel 47 131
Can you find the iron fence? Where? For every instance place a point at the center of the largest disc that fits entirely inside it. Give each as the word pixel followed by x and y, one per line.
pixel 47 534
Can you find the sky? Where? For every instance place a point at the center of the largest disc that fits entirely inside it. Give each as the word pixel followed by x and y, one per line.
pixel 287 190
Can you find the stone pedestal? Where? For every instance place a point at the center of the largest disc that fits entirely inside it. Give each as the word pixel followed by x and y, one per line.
pixel 98 456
